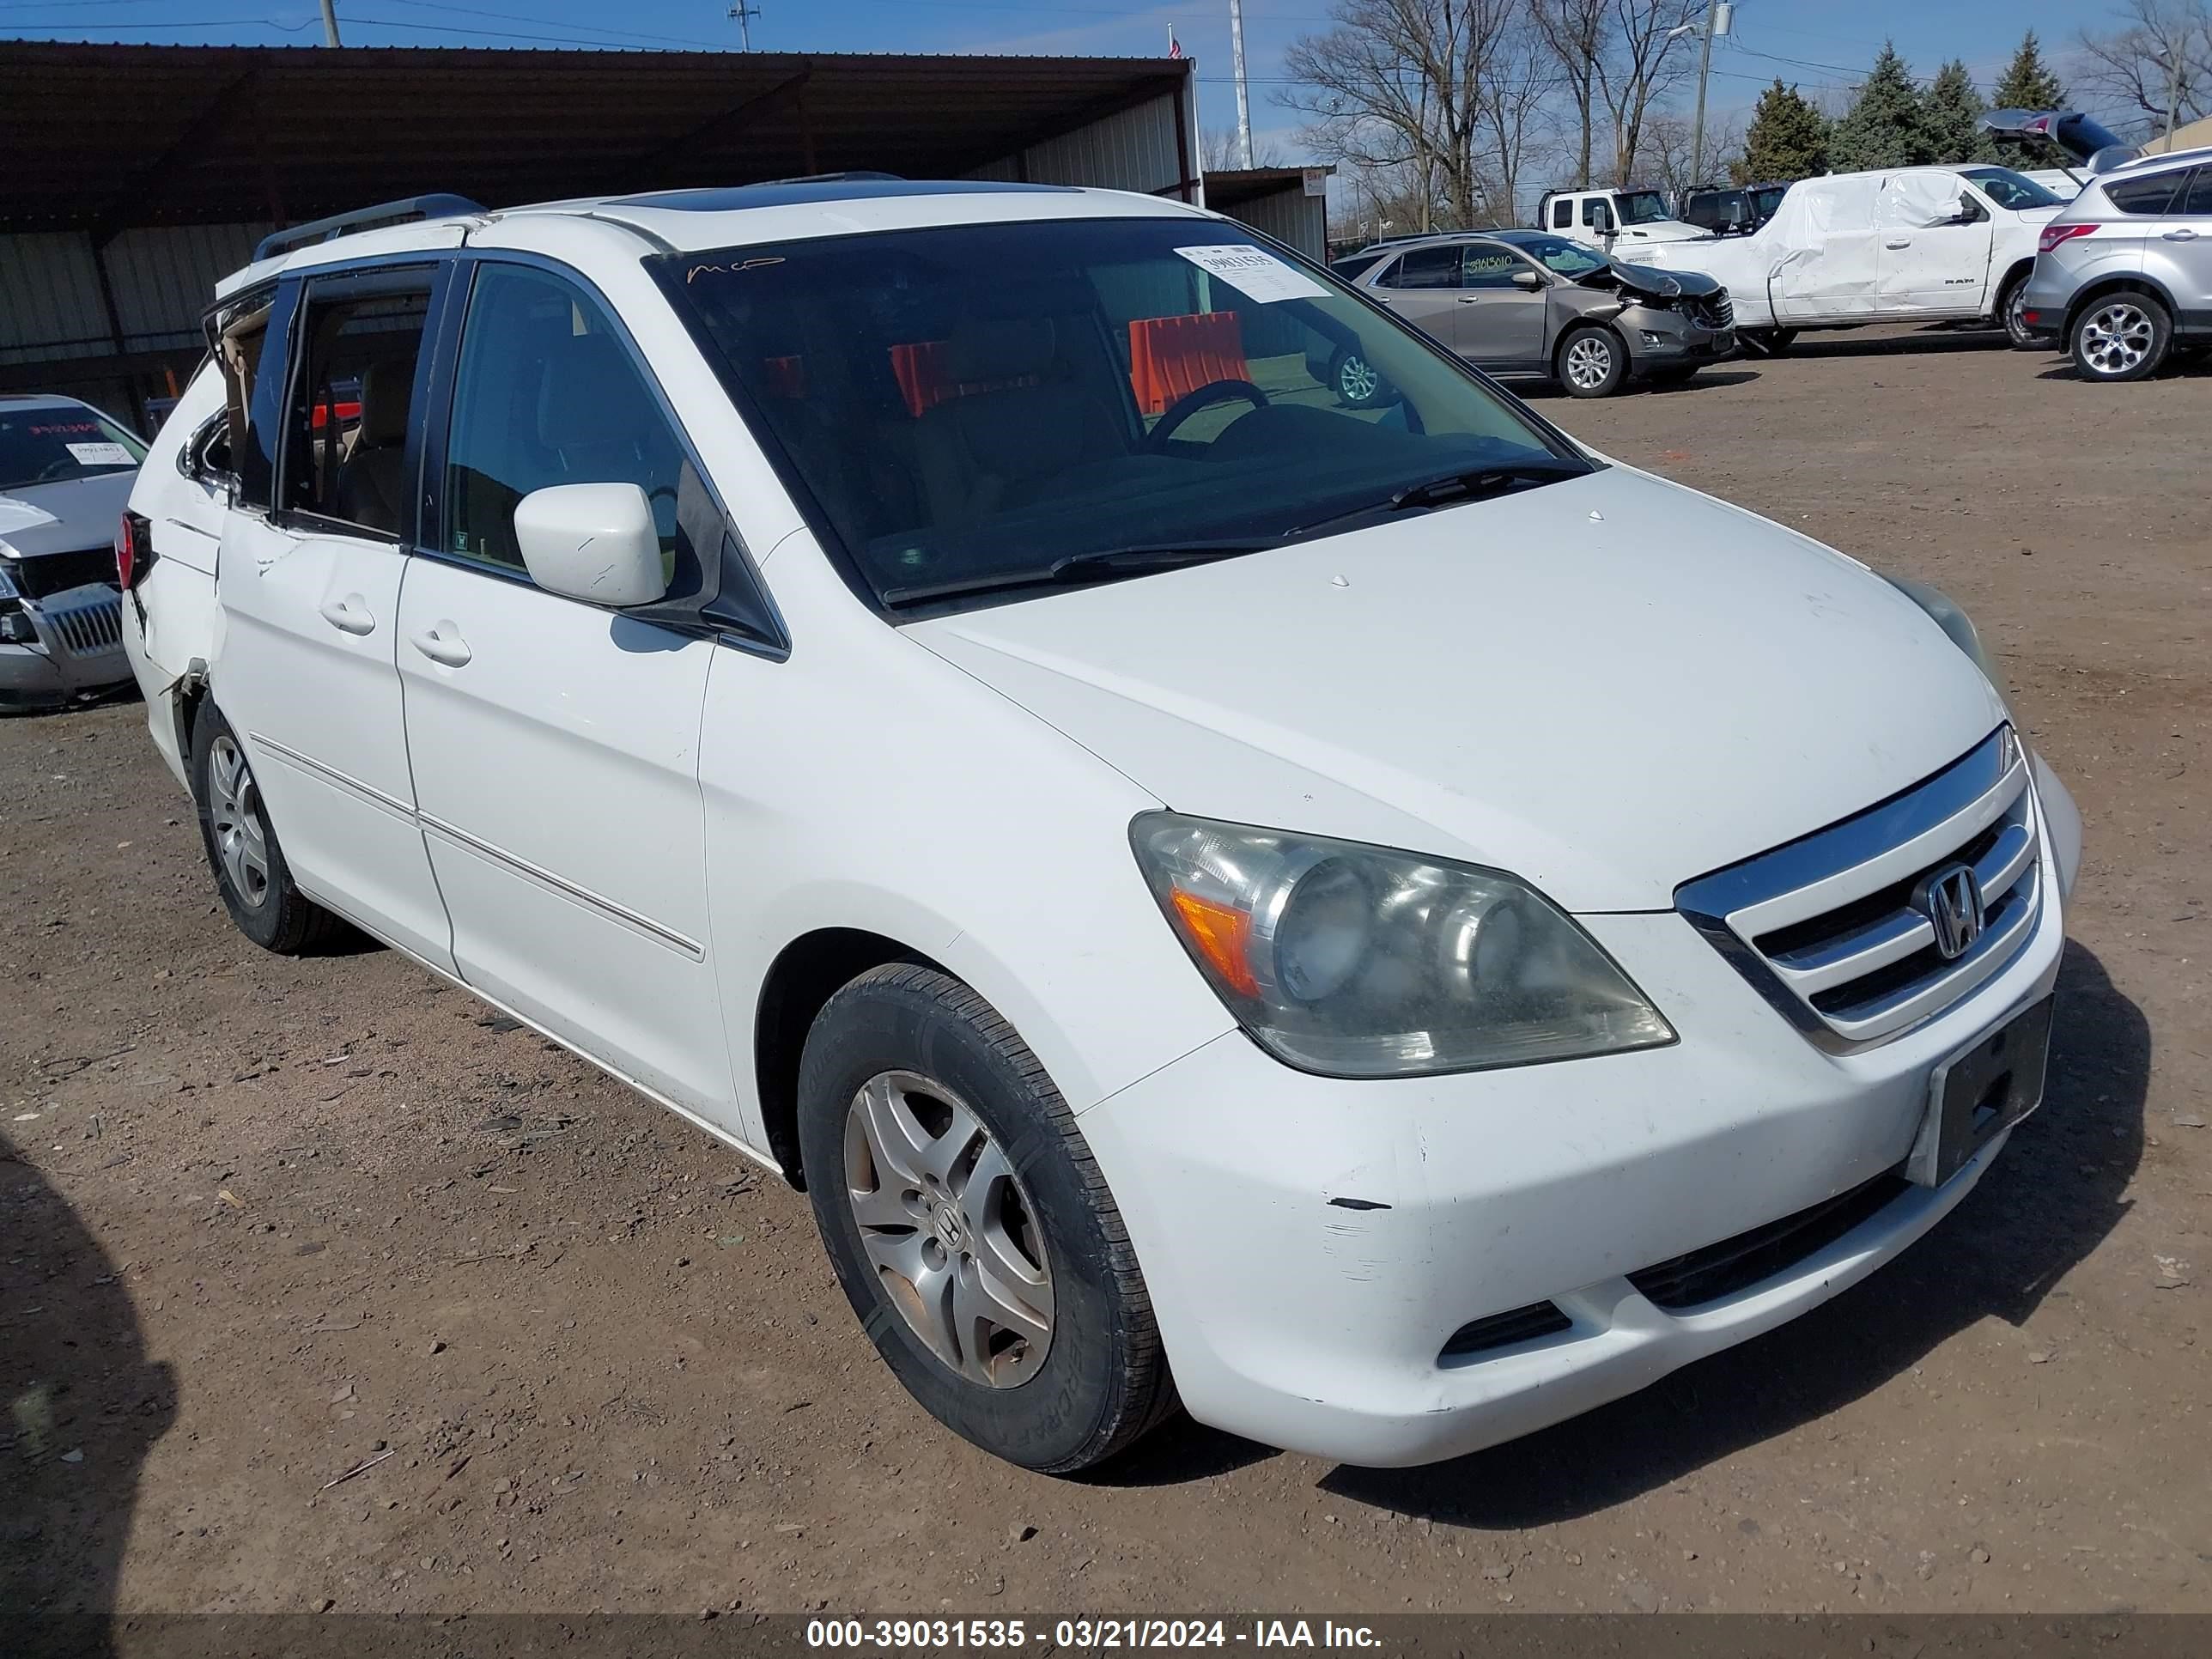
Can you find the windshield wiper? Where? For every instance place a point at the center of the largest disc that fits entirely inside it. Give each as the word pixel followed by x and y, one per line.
pixel 1103 564
pixel 1449 489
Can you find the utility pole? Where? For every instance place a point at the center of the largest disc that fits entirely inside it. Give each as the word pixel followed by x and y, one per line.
pixel 744 14
pixel 1244 103
pixel 2173 91
pixel 1720 17
pixel 330 23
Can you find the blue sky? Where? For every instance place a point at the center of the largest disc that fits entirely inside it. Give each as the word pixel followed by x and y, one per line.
pixel 1827 42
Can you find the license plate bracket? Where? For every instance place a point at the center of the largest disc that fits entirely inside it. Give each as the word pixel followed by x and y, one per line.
pixel 1979 1093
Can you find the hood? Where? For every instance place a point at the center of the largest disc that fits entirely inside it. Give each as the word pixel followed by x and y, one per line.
pixel 1605 686
pixel 1658 230
pixel 1662 284
pixel 66 516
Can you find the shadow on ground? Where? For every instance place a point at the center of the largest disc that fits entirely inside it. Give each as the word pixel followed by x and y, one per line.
pixel 84 1407
pixel 2048 1201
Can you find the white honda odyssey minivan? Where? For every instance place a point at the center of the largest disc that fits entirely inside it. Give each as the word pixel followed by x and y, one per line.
pixel 1377 924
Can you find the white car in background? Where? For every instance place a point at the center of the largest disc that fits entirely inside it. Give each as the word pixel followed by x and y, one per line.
pixel 1901 245
pixel 1214 894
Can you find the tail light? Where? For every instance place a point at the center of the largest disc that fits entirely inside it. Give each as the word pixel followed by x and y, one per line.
pixel 2054 234
pixel 134 552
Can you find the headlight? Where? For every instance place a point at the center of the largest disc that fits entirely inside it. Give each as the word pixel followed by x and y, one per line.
pixel 1358 961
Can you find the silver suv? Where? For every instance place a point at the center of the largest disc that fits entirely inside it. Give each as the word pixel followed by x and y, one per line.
pixel 2123 275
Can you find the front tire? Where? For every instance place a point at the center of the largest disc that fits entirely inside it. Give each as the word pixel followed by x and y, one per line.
pixel 1591 361
pixel 250 872
pixel 969 1226
pixel 2121 337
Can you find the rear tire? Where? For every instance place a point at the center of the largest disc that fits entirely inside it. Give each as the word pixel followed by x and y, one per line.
pixel 1354 379
pixel 970 1227
pixel 1590 362
pixel 250 872
pixel 2012 313
pixel 2123 336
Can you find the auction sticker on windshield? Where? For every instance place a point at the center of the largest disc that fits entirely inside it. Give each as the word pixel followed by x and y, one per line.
pixel 100 454
pixel 1254 272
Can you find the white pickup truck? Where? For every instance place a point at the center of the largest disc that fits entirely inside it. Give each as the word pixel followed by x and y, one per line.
pixel 1623 223
pixel 1908 244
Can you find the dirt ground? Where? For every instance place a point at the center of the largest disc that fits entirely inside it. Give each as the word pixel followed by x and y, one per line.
pixel 263 1223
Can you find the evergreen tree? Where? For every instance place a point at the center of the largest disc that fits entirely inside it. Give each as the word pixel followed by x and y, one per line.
pixel 1886 125
pixel 2028 82
pixel 1951 117
pixel 1788 140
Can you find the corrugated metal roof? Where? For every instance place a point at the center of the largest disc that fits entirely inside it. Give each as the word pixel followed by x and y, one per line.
pixel 103 137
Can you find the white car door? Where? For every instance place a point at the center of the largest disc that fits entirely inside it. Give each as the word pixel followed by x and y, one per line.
pixel 1934 254
pixel 307 581
pixel 555 743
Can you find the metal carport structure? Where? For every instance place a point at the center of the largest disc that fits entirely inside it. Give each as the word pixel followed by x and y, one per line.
pixel 114 225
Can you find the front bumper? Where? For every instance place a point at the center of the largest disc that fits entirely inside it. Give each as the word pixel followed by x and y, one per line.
pixel 1311 1245
pixel 1666 339
pixel 79 652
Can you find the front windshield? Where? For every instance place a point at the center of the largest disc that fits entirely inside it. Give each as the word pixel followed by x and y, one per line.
pixel 1643 207
pixel 974 406
pixel 1557 254
pixel 2011 189
pixel 48 443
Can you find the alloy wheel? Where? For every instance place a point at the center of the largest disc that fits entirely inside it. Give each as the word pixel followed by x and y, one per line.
pixel 235 811
pixel 953 1237
pixel 2117 337
pixel 1590 361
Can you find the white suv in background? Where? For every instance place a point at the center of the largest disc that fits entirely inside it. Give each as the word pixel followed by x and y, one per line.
pixel 1214 894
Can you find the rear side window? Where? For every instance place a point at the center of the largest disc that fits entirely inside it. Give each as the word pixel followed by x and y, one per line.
pixel 546 393
pixel 346 420
pixel 2153 196
pixel 1563 216
pixel 1425 267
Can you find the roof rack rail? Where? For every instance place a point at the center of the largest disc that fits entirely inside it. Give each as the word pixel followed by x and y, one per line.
pixel 440 206
pixel 857 176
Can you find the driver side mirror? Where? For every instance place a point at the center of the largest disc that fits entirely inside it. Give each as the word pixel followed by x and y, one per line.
pixel 1527 280
pixel 594 542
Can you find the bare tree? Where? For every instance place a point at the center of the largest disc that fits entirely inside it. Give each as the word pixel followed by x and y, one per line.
pixel 1638 65
pixel 1666 141
pixel 2158 61
pixel 1218 150
pixel 1574 32
pixel 1514 112
pixel 1400 84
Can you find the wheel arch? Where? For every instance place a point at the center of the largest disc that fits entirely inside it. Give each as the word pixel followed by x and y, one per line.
pixel 2120 282
pixel 1604 325
pixel 805 974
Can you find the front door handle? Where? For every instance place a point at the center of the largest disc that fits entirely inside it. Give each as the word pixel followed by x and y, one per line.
pixel 1907 242
pixel 349 615
pixel 2184 234
pixel 442 643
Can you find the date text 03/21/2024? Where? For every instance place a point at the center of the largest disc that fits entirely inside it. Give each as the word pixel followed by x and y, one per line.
pixel 955 1634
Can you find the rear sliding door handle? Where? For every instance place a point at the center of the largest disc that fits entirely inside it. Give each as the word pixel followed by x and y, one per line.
pixel 349 615
pixel 442 643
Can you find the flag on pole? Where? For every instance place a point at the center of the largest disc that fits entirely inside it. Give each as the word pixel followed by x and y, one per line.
pixel 1175 46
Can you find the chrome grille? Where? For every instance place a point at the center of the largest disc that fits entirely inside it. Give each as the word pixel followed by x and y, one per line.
pixel 1713 311
pixel 1835 929
pixel 87 628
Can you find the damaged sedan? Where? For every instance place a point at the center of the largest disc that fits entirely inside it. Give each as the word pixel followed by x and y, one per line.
pixel 65 471
pixel 1526 303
